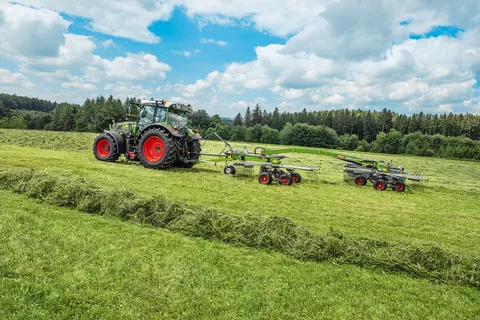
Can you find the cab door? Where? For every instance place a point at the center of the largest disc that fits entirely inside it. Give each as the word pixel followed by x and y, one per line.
pixel 145 117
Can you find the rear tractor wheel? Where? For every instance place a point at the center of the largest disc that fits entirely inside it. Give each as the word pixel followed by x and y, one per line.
pixel 156 149
pixel 105 148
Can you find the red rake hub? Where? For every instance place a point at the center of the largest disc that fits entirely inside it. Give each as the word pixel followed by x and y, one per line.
pixel 264 179
pixel 153 149
pixel 381 185
pixel 284 180
pixel 103 148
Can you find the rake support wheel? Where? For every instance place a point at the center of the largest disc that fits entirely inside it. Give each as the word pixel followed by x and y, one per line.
pixel 265 178
pixel 285 180
pixel 296 177
pixel 229 169
pixel 380 185
pixel 360 181
pixel 398 186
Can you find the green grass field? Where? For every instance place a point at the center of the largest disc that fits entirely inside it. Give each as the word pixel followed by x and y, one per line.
pixel 61 263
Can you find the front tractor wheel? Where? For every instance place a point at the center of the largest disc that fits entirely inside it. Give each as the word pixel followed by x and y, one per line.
pixel 156 149
pixel 105 149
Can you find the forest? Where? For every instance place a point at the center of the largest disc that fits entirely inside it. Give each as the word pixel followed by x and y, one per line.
pixel 441 135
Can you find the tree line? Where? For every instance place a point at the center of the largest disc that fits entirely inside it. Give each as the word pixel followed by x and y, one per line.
pixel 367 124
pixel 447 135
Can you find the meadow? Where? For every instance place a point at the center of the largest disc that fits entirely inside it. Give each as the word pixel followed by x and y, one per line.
pixel 161 267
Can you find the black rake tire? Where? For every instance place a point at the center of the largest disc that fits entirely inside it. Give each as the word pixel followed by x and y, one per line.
pixel 380 185
pixel 285 180
pixel 360 181
pixel 156 149
pixel 296 177
pixel 230 170
pixel 265 178
pixel 398 186
pixel 105 148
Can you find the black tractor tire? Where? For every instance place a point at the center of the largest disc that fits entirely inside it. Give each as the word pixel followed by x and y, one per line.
pixel 380 185
pixel 285 180
pixel 195 148
pixel 398 186
pixel 157 149
pixel 360 181
pixel 192 147
pixel 265 178
pixel 230 170
pixel 296 177
pixel 105 148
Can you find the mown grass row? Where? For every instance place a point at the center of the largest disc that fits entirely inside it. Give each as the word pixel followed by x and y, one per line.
pixel 271 233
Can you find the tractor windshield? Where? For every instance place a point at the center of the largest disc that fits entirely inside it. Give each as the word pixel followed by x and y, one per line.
pixel 177 119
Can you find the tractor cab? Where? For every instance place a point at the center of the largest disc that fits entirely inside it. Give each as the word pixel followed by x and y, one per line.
pixel 160 112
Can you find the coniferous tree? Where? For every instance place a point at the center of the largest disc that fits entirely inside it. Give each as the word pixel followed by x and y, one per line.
pixel 248 117
pixel 238 121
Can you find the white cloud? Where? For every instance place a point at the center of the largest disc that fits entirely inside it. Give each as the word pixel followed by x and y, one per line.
pixel 219 42
pixel 239 105
pixel 133 67
pixel 186 53
pixel 124 18
pixel 78 83
pixel 123 90
pixel 334 99
pixel 109 43
pixel 31 33
pixel 348 29
pixel 14 79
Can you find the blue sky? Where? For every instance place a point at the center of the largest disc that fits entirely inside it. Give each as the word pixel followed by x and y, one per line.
pixel 223 56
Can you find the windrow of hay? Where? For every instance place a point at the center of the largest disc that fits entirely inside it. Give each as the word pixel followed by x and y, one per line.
pixel 272 233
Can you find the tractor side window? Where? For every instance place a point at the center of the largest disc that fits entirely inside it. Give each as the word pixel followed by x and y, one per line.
pixel 161 115
pixel 146 116
pixel 177 119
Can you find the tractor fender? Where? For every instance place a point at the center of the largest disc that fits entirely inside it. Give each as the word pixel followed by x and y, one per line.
pixel 119 140
pixel 196 136
pixel 169 129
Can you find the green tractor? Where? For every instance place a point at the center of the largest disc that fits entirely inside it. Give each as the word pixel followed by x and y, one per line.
pixel 159 138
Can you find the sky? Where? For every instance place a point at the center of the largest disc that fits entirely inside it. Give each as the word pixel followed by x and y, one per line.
pixel 224 55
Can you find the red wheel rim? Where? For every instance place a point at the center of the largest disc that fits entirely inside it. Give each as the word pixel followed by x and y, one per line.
pixel 264 179
pixel 380 185
pixel 153 149
pixel 361 181
pixel 284 180
pixel 398 187
pixel 103 148
pixel 294 178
